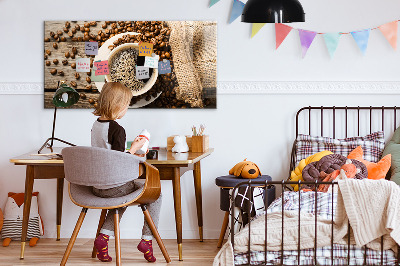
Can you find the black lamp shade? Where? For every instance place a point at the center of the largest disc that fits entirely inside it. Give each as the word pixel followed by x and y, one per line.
pixel 65 96
pixel 273 11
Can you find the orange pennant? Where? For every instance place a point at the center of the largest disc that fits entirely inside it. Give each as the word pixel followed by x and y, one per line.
pixel 281 31
pixel 389 30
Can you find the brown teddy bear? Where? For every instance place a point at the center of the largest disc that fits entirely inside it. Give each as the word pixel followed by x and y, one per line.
pixel 245 169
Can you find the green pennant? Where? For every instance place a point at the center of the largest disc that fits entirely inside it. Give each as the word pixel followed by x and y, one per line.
pixel 213 2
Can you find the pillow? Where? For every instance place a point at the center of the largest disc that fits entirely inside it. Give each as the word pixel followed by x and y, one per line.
pixel 375 170
pixel 393 148
pixel 372 144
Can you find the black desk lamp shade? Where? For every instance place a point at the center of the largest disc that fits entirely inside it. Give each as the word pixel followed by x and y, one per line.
pixel 63 97
pixel 273 11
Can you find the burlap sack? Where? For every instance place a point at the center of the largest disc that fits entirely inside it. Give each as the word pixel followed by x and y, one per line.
pixel 194 50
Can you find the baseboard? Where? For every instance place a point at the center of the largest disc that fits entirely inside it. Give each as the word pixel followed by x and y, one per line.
pixel 259 87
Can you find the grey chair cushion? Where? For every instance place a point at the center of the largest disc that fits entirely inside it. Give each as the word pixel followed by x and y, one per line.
pixel 99 167
pixel 83 196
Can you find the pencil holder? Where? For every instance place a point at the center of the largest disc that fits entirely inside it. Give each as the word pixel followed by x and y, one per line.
pixel 200 143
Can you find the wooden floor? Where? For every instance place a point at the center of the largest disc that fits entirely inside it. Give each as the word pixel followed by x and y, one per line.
pixel 50 252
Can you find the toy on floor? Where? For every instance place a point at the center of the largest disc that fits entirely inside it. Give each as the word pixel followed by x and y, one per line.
pixel 245 169
pixel 13 215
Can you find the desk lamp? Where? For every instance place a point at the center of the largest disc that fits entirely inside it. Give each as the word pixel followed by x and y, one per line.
pixel 63 97
pixel 273 11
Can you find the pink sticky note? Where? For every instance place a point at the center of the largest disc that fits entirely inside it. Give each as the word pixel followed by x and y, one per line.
pixel 102 68
pixel 145 49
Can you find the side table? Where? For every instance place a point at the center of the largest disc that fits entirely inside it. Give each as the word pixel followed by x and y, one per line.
pixel 226 183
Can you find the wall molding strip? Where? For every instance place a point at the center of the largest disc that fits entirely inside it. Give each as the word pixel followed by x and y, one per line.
pixel 259 87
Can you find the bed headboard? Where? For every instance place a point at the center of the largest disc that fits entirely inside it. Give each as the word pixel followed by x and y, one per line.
pixel 344 121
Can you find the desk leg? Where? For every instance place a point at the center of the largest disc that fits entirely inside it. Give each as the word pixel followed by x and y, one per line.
pixel 27 206
pixel 197 189
pixel 176 182
pixel 60 190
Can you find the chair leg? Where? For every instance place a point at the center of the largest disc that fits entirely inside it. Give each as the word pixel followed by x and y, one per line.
pixel 223 229
pixel 117 239
pixel 73 237
pixel 101 222
pixel 154 230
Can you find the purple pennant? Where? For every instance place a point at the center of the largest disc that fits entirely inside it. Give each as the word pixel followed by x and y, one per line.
pixel 306 39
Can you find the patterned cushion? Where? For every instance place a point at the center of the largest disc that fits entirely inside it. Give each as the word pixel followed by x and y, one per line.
pixel 372 144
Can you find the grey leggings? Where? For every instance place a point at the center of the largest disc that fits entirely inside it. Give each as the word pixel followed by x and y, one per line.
pixel 154 208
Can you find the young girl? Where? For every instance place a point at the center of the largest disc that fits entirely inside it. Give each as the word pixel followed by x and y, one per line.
pixel 112 104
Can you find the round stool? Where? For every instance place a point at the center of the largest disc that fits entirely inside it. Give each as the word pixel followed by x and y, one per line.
pixel 228 182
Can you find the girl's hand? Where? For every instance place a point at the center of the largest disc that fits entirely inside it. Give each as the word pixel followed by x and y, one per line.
pixel 137 144
pixel 142 155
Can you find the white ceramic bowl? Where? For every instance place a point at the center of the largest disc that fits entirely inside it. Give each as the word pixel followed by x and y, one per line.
pixel 147 86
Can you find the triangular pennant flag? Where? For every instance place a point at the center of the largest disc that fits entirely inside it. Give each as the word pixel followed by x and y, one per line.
pixel 213 2
pixel 281 31
pixel 306 39
pixel 332 41
pixel 255 28
pixel 361 37
pixel 237 9
pixel 390 32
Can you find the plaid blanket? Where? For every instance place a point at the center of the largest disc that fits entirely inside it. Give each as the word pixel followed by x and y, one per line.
pixel 323 205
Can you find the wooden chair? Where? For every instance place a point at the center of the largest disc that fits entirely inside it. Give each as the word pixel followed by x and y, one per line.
pixel 85 167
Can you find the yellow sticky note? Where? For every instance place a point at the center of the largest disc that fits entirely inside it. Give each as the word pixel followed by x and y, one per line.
pixel 145 49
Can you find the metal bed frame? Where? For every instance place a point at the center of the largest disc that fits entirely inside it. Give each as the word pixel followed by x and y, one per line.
pixel 283 184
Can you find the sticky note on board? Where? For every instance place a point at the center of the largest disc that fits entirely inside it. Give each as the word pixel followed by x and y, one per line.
pixel 142 72
pixel 164 67
pixel 151 62
pixel 83 65
pixel 102 68
pixel 91 48
pixel 93 77
pixel 145 49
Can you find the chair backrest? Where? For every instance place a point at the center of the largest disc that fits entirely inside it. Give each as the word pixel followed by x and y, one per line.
pixel 92 166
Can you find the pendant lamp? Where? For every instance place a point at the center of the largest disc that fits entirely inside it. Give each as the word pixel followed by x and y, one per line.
pixel 64 96
pixel 273 11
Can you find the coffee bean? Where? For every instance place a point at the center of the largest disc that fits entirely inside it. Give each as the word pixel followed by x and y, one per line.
pixel 93 23
pixel 111 47
pixel 87 29
pixel 65 62
pixel 77 76
pixel 55 36
pixel 63 39
pixel 73 30
pixel 73 56
pixel 48 52
pixel 83 96
pixel 91 101
pixel 61 73
pixel 45 56
pixel 104 26
pixel 73 84
pixel 48 63
pixel 88 79
pixel 67 55
pixel 53 71
pixel 77 27
pixel 88 73
pixel 74 50
pixel 82 28
pixel 66 30
pixel 80 39
pixel 59 32
pixel 86 38
pixel 55 61
pixel 73 65
pixel 55 45
pixel 95 105
pixel 67 24
pixel 88 87
pixel 51 33
pixel 70 34
pixel 47 39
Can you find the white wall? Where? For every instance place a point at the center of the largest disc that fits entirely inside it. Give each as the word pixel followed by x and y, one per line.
pixel 259 127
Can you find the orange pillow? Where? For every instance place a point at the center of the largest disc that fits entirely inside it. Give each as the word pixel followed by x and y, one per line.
pixel 375 170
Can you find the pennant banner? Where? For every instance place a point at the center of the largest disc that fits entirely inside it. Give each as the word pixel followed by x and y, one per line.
pixel 332 41
pixel 281 31
pixel 213 2
pixel 306 39
pixel 389 30
pixel 256 27
pixel 361 38
pixel 237 9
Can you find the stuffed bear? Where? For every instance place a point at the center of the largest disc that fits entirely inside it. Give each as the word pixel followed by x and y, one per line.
pixel 180 144
pixel 13 215
pixel 245 169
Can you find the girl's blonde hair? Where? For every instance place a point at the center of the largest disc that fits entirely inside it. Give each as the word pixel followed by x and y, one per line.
pixel 113 97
